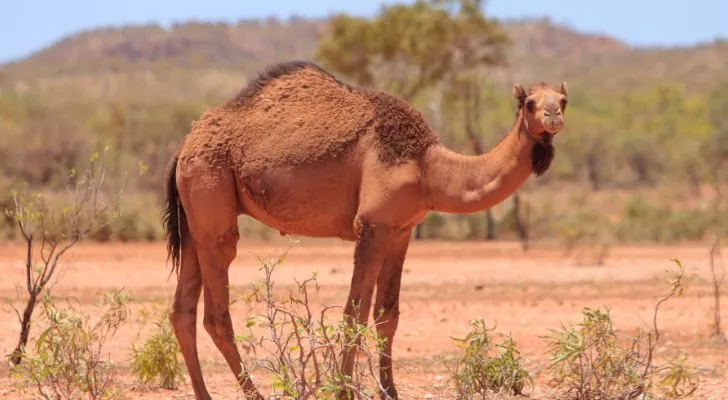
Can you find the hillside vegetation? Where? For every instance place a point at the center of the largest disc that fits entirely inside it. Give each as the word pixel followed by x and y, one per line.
pixel 641 157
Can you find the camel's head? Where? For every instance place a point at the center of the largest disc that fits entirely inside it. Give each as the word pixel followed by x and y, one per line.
pixel 543 109
pixel 543 112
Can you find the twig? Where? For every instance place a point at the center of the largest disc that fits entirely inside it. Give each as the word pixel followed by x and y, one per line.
pixel 654 336
pixel 717 283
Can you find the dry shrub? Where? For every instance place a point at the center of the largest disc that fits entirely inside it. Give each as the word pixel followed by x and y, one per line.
pixel 647 221
pixel 481 371
pixel 717 275
pixel 69 360
pixel 159 357
pixel 586 233
pixel 301 349
pixel 592 361
pixel 51 229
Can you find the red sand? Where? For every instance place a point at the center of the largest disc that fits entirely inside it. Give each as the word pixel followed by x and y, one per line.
pixel 445 285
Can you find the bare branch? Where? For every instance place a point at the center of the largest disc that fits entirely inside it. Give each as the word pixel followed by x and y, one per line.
pixel 717 283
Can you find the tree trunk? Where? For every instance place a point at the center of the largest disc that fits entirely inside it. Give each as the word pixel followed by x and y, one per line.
pixel 418 232
pixel 489 225
pixel 17 354
pixel 471 114
pixel 521 227
pixel 693 181
pixel 641 168
pixel 592 172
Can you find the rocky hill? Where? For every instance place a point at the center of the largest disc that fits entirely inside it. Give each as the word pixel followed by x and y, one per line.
pixel 215 59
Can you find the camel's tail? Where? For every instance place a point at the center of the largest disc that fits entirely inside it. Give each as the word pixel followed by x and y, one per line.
pixel 173 217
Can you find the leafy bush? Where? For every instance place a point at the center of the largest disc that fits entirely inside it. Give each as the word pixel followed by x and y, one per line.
pixel 643 221
pixel 301 349
pixel 69 360
pixel 159 356
pixel 592 361
pixel 586 231
pixel 481 372
pixel 138 220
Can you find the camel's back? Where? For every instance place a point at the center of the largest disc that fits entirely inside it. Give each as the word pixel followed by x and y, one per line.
pixel 297 113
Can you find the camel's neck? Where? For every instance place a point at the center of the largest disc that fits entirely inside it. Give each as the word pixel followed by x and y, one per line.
pixel 459 183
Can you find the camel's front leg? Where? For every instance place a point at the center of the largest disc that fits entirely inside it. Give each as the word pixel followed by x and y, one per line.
pixel 386 308
pixel 371 247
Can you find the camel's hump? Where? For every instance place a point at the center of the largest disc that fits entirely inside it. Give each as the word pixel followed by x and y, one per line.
pixel 297 112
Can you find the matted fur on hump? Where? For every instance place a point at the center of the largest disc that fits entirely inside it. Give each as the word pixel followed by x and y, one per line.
pixel 297 113
pixel 293 114
pixel 401 130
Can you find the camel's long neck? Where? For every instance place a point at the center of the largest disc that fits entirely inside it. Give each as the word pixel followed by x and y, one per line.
pixel 459 183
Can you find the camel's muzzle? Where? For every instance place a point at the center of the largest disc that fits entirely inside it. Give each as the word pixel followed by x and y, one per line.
pixel 553 124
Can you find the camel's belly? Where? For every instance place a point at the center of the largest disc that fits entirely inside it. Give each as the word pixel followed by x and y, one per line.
pixel 319 202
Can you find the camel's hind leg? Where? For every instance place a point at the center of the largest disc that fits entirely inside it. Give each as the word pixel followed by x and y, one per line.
pixel 184 313
pixel 212 214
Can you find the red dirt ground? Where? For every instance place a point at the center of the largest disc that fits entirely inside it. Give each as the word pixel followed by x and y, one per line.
pixel 444 286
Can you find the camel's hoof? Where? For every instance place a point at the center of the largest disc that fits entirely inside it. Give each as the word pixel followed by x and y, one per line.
pixel 252 394
pixel 390 394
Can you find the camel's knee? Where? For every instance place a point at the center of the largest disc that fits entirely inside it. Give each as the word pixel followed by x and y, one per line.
pixel 386 320
pixel 219 247
pixel 182 319
pixel 208 321
pixel 384 314
pixel 227 243
pixel 218 327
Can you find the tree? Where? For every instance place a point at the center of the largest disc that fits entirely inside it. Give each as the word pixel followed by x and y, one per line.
pixel 409 48
pixel 49 232
pixel 715 147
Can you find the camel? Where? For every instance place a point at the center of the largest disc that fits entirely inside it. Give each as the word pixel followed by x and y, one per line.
pixel 307 154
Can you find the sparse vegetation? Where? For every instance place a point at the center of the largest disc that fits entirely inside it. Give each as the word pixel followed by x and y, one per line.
pixel 593 361
pixel 159 356
pixel 69 361
pixel 65 106
pixel 642 160
pixel 301 349
pixel 49 231
pixel 484 371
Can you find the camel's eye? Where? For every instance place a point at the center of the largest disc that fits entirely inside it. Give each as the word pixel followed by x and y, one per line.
pixel 564 102
pixel 530 105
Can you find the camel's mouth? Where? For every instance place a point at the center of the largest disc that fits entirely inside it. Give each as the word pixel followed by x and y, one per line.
pixel 553 125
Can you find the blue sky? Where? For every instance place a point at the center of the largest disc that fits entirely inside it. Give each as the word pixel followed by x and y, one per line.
pixel 29 25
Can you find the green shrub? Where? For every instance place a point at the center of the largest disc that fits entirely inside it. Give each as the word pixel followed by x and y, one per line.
pixel 643 221
pixel 480 371
pixel 159 356
pixel 592 361
pixel 69 360
pixel 138 220
pixel 301 349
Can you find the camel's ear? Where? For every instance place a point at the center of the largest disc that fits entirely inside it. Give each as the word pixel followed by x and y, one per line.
pixel 519 93
pixel 564 89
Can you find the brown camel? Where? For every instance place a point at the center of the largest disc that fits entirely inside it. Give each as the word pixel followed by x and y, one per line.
pixel 309 155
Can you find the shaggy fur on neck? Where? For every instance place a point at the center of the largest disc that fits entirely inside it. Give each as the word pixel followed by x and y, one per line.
pixel 542 154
